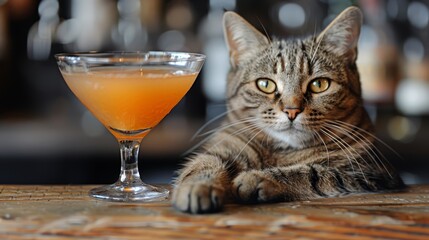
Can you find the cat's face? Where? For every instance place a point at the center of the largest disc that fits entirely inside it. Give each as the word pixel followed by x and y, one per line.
pixel 289 89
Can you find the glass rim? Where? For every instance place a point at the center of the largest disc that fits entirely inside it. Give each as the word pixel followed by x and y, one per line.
pixel 129 56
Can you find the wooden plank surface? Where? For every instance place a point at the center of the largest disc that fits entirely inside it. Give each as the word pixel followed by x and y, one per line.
pixel 66 212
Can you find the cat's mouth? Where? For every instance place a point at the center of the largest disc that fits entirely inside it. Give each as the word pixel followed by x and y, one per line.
pixel 294 130
pixel 293 134
pixel 291 127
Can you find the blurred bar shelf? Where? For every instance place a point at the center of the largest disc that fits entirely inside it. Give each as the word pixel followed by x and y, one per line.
pixel 45 137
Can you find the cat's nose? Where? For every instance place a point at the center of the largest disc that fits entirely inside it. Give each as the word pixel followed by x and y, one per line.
pixel 292 112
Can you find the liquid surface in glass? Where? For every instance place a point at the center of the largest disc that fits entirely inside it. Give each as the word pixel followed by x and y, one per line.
pixel 130 101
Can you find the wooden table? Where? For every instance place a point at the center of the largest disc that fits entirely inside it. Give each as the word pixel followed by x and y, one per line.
pixel 66 212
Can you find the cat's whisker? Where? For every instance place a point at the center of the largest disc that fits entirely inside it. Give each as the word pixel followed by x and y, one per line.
pixel 314 37
pixel 368 133
pixel 315 51
pixel 251 127
pixel 266 140
pixel 334 140
pixel 365 144
pixel 223 127
pixel 245 145
pixel 349 148
pixel 265 31
pixel 256 126
pixel 196 146
pixel 316 135
pixel 356 130
pixel 314 138
pixel 210 122
pixel 326 147
pixel 211 132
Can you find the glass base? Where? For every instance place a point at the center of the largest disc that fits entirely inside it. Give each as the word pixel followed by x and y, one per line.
pixel 136 193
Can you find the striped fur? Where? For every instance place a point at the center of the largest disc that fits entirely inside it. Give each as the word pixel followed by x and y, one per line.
pixel 259 154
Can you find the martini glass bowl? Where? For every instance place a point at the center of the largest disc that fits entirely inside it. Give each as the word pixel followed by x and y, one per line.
pixel 129 93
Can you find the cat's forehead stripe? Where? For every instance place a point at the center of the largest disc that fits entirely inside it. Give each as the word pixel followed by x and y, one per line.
pixel 280 65
pixel 301 61
pixel 307 65
pixel 292 63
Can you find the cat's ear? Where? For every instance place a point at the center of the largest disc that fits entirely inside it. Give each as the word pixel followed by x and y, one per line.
pixel 241 37
pixel 342 34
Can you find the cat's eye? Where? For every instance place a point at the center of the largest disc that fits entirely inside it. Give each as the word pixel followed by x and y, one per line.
pixel 266 85
pixel 319 85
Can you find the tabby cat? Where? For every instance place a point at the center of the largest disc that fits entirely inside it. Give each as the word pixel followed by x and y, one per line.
pixel 296 128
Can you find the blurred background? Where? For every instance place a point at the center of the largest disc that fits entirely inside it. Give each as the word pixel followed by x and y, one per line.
pixel 48 137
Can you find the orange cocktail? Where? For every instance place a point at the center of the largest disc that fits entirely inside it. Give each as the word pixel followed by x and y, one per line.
pixel 130 92
pixel 130 101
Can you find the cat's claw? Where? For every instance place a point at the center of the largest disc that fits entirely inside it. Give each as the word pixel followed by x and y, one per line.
pixel 253 187
pixel 197 198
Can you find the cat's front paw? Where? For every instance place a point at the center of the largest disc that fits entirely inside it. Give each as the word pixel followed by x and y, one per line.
pixel 254 186
pixel 198 198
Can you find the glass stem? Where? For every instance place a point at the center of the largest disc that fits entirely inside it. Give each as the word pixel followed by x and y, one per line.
pixel 129 175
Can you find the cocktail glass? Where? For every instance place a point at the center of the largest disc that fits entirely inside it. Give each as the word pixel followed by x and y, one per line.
pixel 130 93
